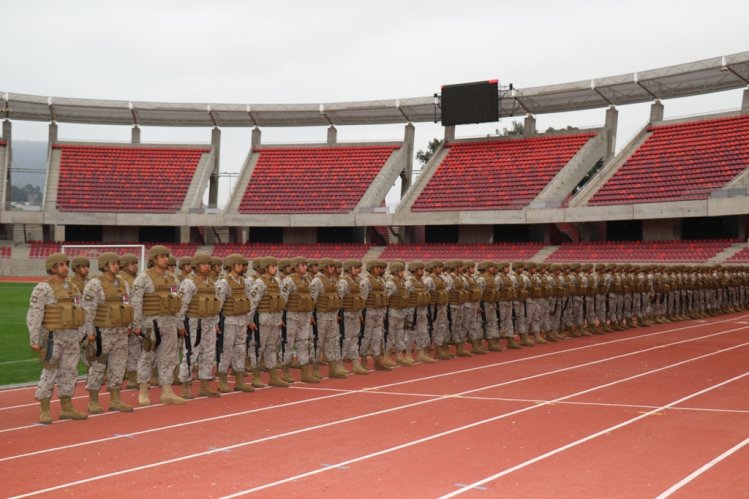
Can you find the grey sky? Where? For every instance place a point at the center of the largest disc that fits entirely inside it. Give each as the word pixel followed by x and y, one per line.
pixel 297 51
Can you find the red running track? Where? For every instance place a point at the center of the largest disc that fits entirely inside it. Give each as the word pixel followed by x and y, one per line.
pixel 632 414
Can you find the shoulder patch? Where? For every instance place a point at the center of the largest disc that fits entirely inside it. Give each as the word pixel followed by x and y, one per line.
pixel 88 297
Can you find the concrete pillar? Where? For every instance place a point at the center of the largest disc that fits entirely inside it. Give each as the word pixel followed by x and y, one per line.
pixel 408 144
pixel 58 233
pixel 52 133
pixel 256 138
pixel 332 135
pixel 745 102
pixel 135 135
pixel 656 111
pixel 7 135
pixel 213 185
pixel 612 117
pixel 529 126
pixel 184 234
pixel 449 133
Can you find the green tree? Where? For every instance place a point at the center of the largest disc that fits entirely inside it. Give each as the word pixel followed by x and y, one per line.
pixel 28 194
pixel 424 156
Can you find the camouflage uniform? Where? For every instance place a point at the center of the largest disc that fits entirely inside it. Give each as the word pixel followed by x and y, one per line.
pixel 299 306
pixel 488 308
pixel 133 340
pixel 324 291
pixel 397 296
pixel 507 292
pixel 373 293
pixel 236 311
pixel 349 290
pixel 471 316
pixel 436 286
pixel 417 318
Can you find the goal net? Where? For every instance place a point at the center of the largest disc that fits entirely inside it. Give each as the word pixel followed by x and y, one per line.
pixel 92 252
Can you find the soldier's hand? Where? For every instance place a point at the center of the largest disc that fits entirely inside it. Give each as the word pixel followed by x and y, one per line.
pixel 312 321
pixel 36 347
pixel 252 326
pixel 218 329
pixel 137 330
pixel 91 339
pixel 182 332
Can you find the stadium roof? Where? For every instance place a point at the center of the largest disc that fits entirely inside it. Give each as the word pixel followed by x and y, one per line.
pixel 683 80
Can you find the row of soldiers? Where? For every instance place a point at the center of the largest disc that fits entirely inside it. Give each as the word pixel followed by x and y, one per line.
pixel 206 315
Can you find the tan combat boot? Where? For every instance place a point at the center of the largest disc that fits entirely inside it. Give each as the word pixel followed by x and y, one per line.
pixel 169 397
pixel 357 368
pixel 44 416
pixel 422 356
pixel 316 370
pixel 512 344
pixel 206 390
pixel 257 381
pixel 460 350
pixel 143 398
pixel 477 348
pixel 187 390
pixel 241 385
pixel 307 376
pixel 335 372
pixel 68 411
pixel 286 376
pixel 223 383
pixel 116 403
pixel 494 345
pixel 132 379
pixel 387 360
pixel 440 353
pixel 275 379
pixel 539 339
pixel 365 362
pixel 93 402
pixel 379 365
pixel 526 341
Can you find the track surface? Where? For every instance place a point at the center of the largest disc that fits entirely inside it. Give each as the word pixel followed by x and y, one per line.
pixel 642 413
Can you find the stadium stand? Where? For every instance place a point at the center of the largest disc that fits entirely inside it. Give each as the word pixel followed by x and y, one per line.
pixel 337 251
pixel 677 162
pixel 657 252
pixel 478 251
pixel 5 251
pixel 312 179
pixel 42 249
pixel 497 174
pixel 125 178
pixel 740 257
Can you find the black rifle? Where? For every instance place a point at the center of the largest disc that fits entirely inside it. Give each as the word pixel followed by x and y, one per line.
pixel 98 341
pixel 188 345
pixel 220 338
pixel 284 335
pixel 413 321
pixel 386 325
pixel 50 346
pixel 430 321
pixel 157 332
pixel 341 327
pixel 256 320
pixel 483 316
pixel 361 329
pixel 315 334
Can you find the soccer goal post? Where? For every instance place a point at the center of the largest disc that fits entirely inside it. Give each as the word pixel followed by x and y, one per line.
pixel 92 252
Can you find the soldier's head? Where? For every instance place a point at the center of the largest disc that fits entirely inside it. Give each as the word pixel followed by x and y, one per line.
pixel 158 257
pixel 352 267
pixel 416 268
pixel 299 265
pixel 57 265
pixel 236 264
pixel 518 266
pixel 268 266
pixel 202 265
pixel 81 266
pixel 397 269
pixel 327 266
pixel 338 267
pixel 184 264
pixel 376 267
pixel 129 263
pixel 172 265
pixel 284 265
pixel 469 267
pixel 216 265
pixel 530 267
pixel 436 266
pixel 487 267
pixel 503 267
pixel 109 263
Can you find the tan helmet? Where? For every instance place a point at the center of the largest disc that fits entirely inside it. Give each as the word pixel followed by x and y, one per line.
pixel 106 258
pixel 482 266
pixel 201 258
pixel 396 267
pixel 376 263
pixel 299 260
pixel 172 261
pixel 185 260
pixel 234 259
pixel 54 259
pixel 216 261
pixel 79 261
pixel 284 262
pixel 312 262
pixel 324 262
pixel 414 266
pixel 349 264
pixel 156 251
pixel 127 259
pixel 266 262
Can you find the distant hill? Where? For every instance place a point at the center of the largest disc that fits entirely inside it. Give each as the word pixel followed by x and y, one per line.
pixel 29 168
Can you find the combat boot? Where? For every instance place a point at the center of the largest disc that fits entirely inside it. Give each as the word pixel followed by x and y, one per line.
pixel 143 398
pixel 187 390
pixel 460 350
pixel 68 411
pixel 175 375
pixel 207 390
pixel 257 381
pixel 400 360
pixel 408 357
pixel 422 356
pixel 538 339
pixel 93 402
pixel 307 376
pixel 169 397
pixel 387 360
pixel 286 376
pixel 116 403
pixel 316 370
pixel 223 383
pixel 275 380
pixel 525 341
pixel 379 365
pixel 476 348
pixel 441 353
pixel 240 385
pixel 364 362
pixel 494 345
pixel 44 416
pixel 295 363
pixel 357 368
pixel 132 379
pixel 512 344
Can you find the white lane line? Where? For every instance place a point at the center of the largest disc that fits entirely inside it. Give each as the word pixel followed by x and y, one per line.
pixel 583 440
pixel 702 469
pixel 365 390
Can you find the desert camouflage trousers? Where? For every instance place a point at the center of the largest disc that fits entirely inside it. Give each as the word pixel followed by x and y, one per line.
pixel 298 333
pixel 62 367
pixel 235 348
pixel 112 360
pixel 164 355
pixel 374 320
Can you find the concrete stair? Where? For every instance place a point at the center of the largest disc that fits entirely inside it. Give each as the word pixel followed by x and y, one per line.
pixel 727 253
pixel 544 253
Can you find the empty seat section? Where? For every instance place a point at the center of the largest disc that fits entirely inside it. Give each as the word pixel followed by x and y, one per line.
pixel 680 162
pixel 312 179
pixel 740 257
pixel 125 178
pixel 5 251
pixel 497 174
pixel 651 252
pixel 321 250
pixel 475 252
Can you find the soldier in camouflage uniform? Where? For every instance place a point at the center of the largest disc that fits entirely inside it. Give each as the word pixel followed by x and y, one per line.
pixel 109 316
pixel 507 294
pixel 417 319
pixel 438 299
pixel 487 284
pixel 217 268
pixel 55 336
pixel 519 310
pixel 589 284
pixel 471 316
pixel 184 268
pixel 299 306
pixel 324 290
pixel 533 303
pixel 397 295
pixel 155 306
pixel 352 303
pixel 128 271
pixel 375 301
pixel 458 295
pixel 81 267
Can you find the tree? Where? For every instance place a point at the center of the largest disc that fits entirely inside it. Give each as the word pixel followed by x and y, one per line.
pixel 28 194
pixel 517 129
pixel 424 156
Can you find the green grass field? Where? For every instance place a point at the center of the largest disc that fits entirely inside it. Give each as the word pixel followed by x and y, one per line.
pixel 18 363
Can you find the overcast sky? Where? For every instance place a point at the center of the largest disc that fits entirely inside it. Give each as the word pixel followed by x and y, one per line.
pixel 327 51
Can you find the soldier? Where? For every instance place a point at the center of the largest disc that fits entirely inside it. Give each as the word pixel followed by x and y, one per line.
pixel 548 302
pixel 474 329
pixel 352 303
pixel 128 271
pixel 519 309
pixel 324 289
pixel 375 302
pixel 438 305
pixel 172 265
pixel 236 312
pixel 155 306
pixel 533 303
pixel 588 284
pixel 109 317
pixel 299 306
pixel 600 289
pixel 457 296
pixel 267 301
pixel 417 319
pixel 217 266
pixel 507 294
pixel 488 306
pixel 284 268
pixel 54 320
pixel 81 267
pixel 184 268
pixel 397 296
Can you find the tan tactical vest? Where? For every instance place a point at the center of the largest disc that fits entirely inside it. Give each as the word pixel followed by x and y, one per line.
pixel 506 290
pixel 419 297
pixel 328 300
pixel 536 289
pixel 76 282
pixel 491 294
pixel 300 300
pixel 237 302
pixel 473 290
pixel 458 293
pixel 438 295
pixel 164 300
pixel 271 302
pixel 65 314
pixel 129 279
pixel 399 299
pixel 116 310
pixel 376 297
pixel 353 301
pixel 204 302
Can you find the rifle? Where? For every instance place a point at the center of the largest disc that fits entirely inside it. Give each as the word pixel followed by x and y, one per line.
pixel 483 315
pixel 220 338
pixel 386 325
pixel 413 319
pixel 256 320
pixel 341 327
pixel 430 321
pixel 315 335
pixel 98 342
pixel 50 346
pixel 361 329
pixel 188 345
pixel 284 335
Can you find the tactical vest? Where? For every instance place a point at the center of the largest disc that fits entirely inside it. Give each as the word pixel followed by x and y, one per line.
pixel 376 297
pixel 617 285
pixel 300 300
pixel 521 291
pixel 438 295
pixel 353 301
pixel 536 287
pixel 204 302
pixel 562 286
pixel 271 302
pixel 328 300
pixel 77 283
pixel 65 314
pixel 129 279
pixel 458 293
pixel 236 302
pixel 491 294
pixel 547 290
pixel 419 297
pixel 399 299
pixel 164 300
pixel 116 310
pixel 507 289
pixel 473 290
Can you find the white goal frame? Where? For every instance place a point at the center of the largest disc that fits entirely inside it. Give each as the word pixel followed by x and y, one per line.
pixel 91 251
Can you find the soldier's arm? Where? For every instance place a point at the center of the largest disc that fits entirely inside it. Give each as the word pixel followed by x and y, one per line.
pixel 140 286
pixel 40 296
pixel 258 289
pixel 364 288
pixel 390 288
pixel 186 291
pixel 481 282
pixel 287 287
pixel 342 288
pixel 315 288
pixel 222 291
pixel 93 294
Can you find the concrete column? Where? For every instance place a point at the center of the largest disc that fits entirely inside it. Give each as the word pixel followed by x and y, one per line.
pixel 135 135
pixel 52 133
pixel 256 138
pixel 7 135
pixel 184 234
pixel 656 111
pixel 408 144
pixel 332 135
pixel 213 185
pixel 612 117
pixel 449 133
pixel 529 126
pixel 58 232
pixel 745 102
